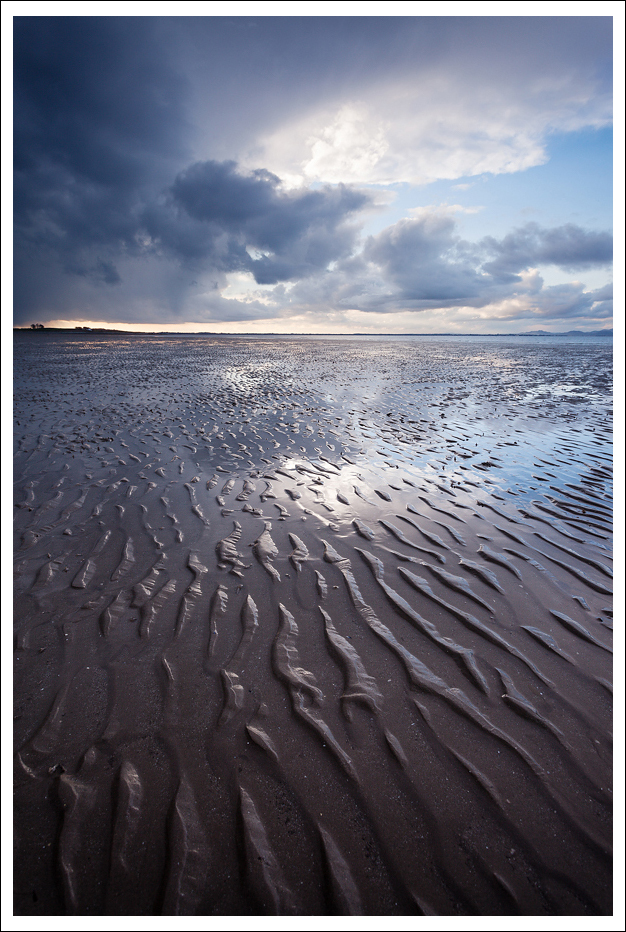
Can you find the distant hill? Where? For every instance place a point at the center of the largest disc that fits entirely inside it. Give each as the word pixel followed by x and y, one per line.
pixel 567 333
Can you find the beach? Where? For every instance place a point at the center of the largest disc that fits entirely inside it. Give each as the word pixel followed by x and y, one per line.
pixel 312 625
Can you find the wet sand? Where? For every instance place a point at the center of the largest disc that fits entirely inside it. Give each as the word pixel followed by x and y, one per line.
pixel 312 626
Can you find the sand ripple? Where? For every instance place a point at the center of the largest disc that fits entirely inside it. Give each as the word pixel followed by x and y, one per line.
pixel 310 626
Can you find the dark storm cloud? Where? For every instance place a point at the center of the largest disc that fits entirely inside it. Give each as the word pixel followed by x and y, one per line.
pixel 289 234
pixel 211 218
pixel 99 127
pixel 101 271
pixel 101 130
pixel 568 247
pixel 127 192
pixel 97 96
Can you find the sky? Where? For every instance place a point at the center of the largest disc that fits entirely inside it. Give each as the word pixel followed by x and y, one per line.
pixel 303 174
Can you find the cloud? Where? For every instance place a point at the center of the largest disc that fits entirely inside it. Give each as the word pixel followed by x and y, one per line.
pixel 250 223
pixel 485 100
pixel 564 302
pixel 243 237
pixel 100 125
pixel 568 247
pixel 422 265
pixel 98 96
pixel 425 259
pixel 101 271
pixel 212 217
pixel 428 262
pixel 160 159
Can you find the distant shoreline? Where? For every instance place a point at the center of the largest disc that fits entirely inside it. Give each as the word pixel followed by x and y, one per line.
pixel 211 333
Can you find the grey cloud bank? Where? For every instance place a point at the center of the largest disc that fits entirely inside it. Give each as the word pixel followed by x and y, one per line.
pixel 297 233
pixel 156 158
pixel 567 247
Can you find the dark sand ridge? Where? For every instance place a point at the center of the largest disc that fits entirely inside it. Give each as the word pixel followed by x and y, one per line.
pixel 312 626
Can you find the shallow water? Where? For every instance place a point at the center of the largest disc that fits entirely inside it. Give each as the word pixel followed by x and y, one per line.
pixel 312 625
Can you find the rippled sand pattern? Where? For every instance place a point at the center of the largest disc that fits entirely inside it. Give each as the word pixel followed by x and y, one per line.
pixel 312 627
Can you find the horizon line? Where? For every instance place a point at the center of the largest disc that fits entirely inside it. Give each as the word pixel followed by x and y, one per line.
pixel 275 333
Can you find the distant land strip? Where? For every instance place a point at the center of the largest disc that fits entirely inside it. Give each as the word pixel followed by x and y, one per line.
pixel 529 333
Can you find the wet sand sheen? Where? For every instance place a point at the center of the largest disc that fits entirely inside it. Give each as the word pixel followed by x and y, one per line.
pixel 312 627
